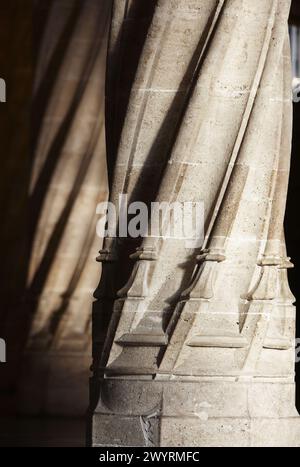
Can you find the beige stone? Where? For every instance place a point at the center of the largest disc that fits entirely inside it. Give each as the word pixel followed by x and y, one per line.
pixel 200 346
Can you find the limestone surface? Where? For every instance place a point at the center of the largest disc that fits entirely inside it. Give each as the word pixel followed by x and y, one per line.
pixel 195 346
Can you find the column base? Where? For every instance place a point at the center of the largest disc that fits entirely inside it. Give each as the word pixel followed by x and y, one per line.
pixel 216 413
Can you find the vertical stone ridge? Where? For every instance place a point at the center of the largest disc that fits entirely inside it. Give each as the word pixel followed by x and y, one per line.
pixel 198 50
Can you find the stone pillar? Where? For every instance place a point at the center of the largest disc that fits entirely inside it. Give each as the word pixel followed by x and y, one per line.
pixel 198 349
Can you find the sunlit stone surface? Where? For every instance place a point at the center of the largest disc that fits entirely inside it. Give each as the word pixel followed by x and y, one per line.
pixel 195 347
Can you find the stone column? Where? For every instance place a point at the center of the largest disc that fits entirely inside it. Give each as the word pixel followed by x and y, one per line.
pixel 199 344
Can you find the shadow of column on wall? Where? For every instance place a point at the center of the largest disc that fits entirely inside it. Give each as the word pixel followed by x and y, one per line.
pixel 52 176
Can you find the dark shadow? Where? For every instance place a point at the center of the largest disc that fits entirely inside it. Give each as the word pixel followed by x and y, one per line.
pixel 295 12
pixel 16 67
pixel 292 226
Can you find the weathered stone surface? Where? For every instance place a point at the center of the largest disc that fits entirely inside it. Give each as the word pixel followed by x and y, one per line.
pixel 205 333
pixel 199 413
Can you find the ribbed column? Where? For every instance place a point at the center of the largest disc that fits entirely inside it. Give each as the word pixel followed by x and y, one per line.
pixel 200 346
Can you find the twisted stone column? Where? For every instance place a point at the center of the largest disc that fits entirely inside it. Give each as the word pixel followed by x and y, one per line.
pixel 198 349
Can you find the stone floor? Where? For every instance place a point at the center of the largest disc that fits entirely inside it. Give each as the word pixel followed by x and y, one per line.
pixel 42 432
